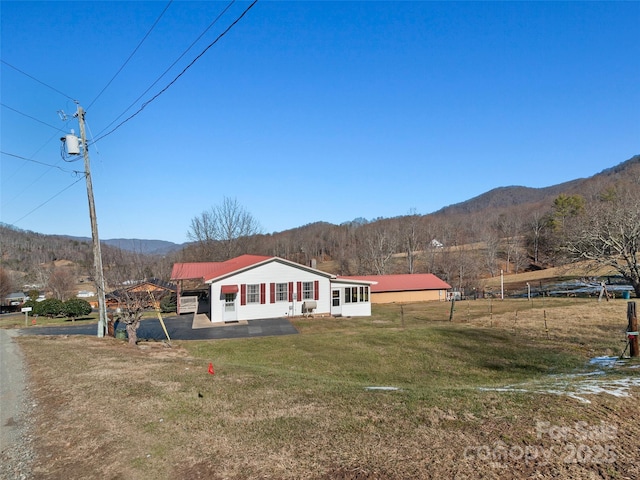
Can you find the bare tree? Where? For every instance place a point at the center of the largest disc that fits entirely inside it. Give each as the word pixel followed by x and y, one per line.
pixel 538 224
pixel 121 269
pixel 410 235
pixel 224 231
pixel 510 226
pixel 492 250
pixel 377 246
pixel 62 283
pixel 608 232
pixel 342 242
pixel 6 284
pixel 132 305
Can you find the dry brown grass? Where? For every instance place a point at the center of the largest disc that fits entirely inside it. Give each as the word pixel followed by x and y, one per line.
pixel 295 407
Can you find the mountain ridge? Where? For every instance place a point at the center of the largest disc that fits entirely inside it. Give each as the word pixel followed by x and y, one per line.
pixel 516 195
pixel 496 198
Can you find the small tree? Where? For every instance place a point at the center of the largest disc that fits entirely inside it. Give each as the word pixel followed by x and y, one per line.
pixel 132 306
pixel 33 295
pixel 567 206
pixel 168 303
pixel 76 307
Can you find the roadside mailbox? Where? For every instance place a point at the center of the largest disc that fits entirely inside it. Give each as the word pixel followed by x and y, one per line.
pixel 26 311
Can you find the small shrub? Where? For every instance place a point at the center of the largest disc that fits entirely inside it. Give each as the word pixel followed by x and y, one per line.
pixel 168 304
pixel 51 307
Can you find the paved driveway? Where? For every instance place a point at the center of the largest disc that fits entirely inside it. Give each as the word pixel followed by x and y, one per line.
pixel 180 328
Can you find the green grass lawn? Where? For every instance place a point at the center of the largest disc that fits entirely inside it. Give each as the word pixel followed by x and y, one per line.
pixel 430 360
pixel 298 406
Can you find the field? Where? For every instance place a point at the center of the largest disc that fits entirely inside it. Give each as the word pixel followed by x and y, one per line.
pixel 505 390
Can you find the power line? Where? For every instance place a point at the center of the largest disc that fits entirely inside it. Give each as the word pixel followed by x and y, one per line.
pixel 54 136
pixel 28 186
pixel 39 163
pixel 39 81
pixel 181 73
pixel 170 66
pixel 130 56
pixel 47 201
pixel 29 116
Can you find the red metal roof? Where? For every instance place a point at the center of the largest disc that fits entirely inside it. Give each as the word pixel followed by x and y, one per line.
pixel 209 270
pixel 403 282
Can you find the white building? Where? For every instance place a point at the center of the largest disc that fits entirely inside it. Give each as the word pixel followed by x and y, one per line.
pixel 253 287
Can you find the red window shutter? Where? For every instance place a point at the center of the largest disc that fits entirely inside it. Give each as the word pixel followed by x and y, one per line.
pixel 272 292
pixel 291 291
pixel 263 293
pixel 316 288
pixel 243 294
pixel 299 290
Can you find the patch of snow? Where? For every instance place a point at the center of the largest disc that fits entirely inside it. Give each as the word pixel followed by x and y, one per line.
pixel 567 385
pixel 606 361
pixel 580 385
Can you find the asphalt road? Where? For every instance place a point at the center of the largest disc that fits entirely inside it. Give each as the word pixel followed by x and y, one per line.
pixel 179 328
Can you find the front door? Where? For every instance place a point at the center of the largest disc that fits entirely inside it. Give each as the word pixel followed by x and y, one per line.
pixel 336 308
pixel 229 307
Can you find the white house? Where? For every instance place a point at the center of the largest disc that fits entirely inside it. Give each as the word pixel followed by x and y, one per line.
pixel 253 287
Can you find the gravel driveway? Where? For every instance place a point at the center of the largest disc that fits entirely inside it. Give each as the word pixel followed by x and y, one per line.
pixel 16 452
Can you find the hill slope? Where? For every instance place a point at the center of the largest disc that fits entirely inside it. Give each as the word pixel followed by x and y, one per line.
pixel 518 195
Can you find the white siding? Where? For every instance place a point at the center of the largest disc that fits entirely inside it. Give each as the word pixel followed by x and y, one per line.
pixel 272 272
pixel 352 309
pixel 360 309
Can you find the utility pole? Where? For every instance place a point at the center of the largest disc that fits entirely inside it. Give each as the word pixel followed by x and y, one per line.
pixel 97 254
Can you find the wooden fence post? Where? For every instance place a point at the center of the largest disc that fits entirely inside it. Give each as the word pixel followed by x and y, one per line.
pixel 453 303
pixel 633 329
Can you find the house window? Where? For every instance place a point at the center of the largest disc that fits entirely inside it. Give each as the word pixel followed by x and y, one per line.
pixel 364 294
pixel 351 294
pixel 307 291
pixel 335 295
pixel 253 293
pixel 229 302
pixel 282 292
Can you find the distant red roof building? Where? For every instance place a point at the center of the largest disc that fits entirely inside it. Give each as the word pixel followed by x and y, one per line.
pixel 415 287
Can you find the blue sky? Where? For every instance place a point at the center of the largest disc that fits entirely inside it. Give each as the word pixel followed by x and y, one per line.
pixel 307 111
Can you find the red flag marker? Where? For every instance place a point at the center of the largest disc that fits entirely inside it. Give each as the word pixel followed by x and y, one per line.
pixel 211 369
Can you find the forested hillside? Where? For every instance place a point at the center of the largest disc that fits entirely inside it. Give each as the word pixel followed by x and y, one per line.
pixel 509 229
pixel 29 259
